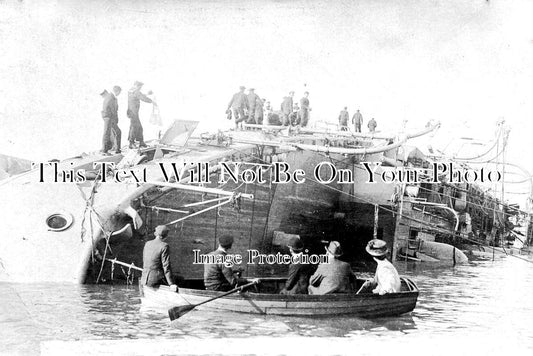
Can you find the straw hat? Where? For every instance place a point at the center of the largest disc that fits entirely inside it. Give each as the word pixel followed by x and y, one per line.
pixel 377 248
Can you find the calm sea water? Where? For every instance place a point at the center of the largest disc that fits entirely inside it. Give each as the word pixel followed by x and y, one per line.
pixel 490 301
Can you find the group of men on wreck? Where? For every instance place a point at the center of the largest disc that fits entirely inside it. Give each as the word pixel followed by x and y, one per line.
pixel 332 276
pixel 250 108
pixel 112 134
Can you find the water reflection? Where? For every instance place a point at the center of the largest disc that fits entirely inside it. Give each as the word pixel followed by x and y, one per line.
pixel 491 298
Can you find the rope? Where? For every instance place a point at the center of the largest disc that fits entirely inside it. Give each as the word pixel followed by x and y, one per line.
pixel 107 236
pixel 112 270
pixel 251 225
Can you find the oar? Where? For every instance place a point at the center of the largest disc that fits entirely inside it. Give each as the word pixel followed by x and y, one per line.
pixel 363 286
pixel 177 312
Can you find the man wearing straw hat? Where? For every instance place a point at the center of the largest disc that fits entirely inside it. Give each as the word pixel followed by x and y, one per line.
pixel 299 273
pixel 335 276
pixel 386 279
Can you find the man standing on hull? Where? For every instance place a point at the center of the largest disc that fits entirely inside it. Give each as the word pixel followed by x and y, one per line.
pixel 134 102
pixel 286 108
pixel 110 111
pixel 106 137
pixel 304 109
pixel 238 104
pixel 357 120
pixel 252 100
pixel 372 124
pixel 343 119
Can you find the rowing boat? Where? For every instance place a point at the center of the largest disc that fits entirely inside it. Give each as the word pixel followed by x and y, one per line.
pixel 264 300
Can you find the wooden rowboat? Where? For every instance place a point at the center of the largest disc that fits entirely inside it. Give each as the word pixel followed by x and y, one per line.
pixel 263 300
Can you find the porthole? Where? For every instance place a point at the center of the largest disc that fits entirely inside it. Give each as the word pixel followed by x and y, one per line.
pixel 59 221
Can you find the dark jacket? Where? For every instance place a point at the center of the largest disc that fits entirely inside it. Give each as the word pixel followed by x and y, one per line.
pixel 110 107
pixel 357 118
pixel 298 279
pixel 287 105
pixel 333 277
pixel 217 276
pixel 134 101
pixel 259 110
pixel 156 263
pixel 304 103
pixel 238 101
pixel 343 118
pixel 251 99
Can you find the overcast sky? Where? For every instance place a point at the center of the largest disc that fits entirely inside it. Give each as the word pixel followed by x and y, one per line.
pixel 465 63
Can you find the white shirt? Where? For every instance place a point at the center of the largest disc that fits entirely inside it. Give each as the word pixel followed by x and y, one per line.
pixel 386 278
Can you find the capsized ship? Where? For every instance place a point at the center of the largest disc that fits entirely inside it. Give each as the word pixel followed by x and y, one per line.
pixel 440 219
pixel 65 221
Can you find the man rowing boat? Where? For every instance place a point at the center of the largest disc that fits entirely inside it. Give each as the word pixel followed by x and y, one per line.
pixel 220 276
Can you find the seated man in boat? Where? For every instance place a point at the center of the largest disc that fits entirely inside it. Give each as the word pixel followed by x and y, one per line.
pixel 299 273
pixel 219 276
pixel 335 276
pixel 386 279
pixel 156 260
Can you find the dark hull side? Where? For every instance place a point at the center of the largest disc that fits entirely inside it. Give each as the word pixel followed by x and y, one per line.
pixel 308 210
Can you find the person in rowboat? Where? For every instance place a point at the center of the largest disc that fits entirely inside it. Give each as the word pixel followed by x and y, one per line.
pixel 219 276
pixel 156 261
pixel 386 279
pixel 335 276
pixel 299 273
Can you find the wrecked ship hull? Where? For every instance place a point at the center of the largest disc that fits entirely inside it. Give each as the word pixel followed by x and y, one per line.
pixel 114 220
